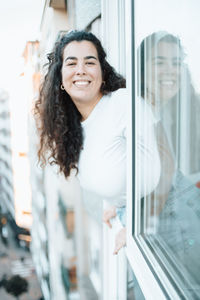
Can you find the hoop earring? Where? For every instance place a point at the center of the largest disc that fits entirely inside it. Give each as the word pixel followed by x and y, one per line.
pixel 62 87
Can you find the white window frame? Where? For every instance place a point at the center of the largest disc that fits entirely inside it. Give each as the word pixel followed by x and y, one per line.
pixel 150 286
pixel 114 266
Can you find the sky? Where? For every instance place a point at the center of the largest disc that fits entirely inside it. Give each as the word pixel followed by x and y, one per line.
pixel 19 22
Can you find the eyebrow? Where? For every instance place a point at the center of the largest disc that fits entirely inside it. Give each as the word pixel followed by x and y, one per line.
pixel 75 58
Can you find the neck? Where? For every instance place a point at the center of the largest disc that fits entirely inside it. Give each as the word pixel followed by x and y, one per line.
pixel 86 108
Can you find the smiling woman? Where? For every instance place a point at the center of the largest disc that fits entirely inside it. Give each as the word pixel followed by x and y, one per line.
pixel 82 110
pixel 77 78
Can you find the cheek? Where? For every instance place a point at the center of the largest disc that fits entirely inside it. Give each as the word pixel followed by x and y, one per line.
pixel 62 74
pixel 98 74
pixel 178 74
pixel 151 79
pixel 65 76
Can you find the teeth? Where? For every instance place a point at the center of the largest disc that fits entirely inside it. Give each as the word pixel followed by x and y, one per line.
pixel 167 82
pixel 81 83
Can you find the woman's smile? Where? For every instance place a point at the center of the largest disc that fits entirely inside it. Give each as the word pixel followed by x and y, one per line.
pixel 167 82
pixel 81 83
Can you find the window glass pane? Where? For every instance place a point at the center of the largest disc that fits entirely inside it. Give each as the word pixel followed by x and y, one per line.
pixel 168 170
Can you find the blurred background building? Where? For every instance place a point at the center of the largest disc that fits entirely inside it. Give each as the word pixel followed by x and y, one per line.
pixel 6 167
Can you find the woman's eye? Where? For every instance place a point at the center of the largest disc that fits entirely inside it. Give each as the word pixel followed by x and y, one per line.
pixel 159 62
pixel 71 64
pixel 90 63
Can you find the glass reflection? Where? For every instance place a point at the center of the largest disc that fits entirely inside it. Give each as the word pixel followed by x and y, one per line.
pixel 170 214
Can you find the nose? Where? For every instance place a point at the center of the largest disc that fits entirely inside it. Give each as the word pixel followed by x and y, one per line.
pixel 170 67
pixel 80 70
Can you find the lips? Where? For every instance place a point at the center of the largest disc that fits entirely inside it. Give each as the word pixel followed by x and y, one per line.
pixel 81 83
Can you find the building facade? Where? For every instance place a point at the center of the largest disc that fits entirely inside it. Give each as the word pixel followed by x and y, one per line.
pixel 7 193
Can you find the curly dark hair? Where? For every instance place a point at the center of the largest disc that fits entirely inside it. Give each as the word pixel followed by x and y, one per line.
pixel 57 118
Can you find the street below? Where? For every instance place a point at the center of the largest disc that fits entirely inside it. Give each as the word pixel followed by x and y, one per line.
pixel 17 260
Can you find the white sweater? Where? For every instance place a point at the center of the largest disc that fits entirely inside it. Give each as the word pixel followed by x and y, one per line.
pixel 102 163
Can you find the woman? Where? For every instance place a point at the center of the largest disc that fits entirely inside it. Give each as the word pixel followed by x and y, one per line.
pixel 160 58
pixel 166 85
pixel 82 114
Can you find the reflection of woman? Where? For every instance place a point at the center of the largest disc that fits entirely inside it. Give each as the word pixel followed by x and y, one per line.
pixel 166 85
pixel 82 113
pixel 160 59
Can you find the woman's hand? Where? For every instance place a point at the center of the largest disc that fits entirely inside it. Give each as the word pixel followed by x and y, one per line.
pixel 120 240
pixel 109 214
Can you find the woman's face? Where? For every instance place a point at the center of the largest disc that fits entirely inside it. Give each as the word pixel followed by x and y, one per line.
pixel 81 72
pixel 163 72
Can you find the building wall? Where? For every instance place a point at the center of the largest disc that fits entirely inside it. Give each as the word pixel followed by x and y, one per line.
pixel 6 169
pixel 53 21
pixel 85 12
pixel 14 167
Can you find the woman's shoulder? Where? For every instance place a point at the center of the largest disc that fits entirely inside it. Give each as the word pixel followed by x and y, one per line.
pixel 119 99
pixel 122 101
pixel 119 94
pixel 145 111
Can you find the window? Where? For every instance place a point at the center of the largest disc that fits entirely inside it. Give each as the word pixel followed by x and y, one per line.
pixel 165 217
